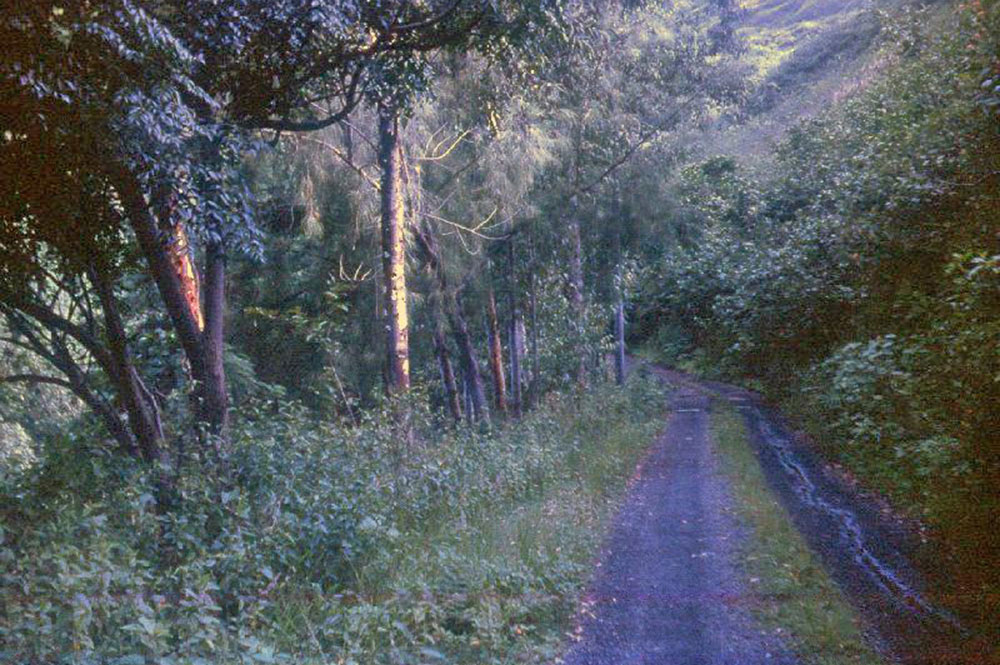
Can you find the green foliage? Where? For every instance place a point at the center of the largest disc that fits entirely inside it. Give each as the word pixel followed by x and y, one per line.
pixel 854 278
pixel 351 545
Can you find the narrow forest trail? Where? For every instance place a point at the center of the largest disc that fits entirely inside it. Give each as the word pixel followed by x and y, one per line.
pixel 670 590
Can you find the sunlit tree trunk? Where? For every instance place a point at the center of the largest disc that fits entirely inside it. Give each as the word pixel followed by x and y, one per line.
pixel 496 355
pixel 393 224
pixel 197 318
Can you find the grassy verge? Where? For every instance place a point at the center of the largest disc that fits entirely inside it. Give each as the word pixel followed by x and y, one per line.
pixel 795 593
pixel 496 578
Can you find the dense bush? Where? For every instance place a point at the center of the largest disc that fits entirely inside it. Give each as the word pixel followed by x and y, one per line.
pixel 331 545
pixel 861 265
pixel 854 277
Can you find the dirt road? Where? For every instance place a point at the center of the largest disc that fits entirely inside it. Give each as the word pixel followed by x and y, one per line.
pixel 669 588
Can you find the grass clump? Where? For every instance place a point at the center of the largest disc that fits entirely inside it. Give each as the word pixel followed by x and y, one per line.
pixel 795 593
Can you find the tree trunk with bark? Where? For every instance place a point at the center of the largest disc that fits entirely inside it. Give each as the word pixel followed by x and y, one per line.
pixel 574 288
pixel 452 306
pixel 534 385
pixel 496 355
pixel 516 341
pixel 139 403
pixel 393 223
pixel 197 318
pixel 467 357
pixel 447 374
pixel 620 342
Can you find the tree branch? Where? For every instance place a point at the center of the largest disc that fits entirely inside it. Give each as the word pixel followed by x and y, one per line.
pixel 36 378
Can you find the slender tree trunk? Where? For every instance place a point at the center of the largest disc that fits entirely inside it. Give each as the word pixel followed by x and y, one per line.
pixel 467 356
pixel 394 252
pixel 496 355
pixel 575 295
pixel 447 374
pixel 619 291
pixel 215 397
pixel 516 347
pixel 620 339
pixel 347 135
pixel 452 304
pixel 466 400
pixel 59 355
pixel 140 405
pixel 536 368
pixel 514 332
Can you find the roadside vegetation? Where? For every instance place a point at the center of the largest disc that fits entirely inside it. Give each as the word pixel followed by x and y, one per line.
pixel 794 596
pixel 306 306
pixel 338 546
pixel 852 277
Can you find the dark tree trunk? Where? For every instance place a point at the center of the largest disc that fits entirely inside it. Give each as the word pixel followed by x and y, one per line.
pixel 452 306
pixel 536 367
pixel 514 334
pixel 394 252
pixel 516 346
pixel 199 327
pixel 575 295
pixel 447 374
pixel 348 140
pixel 620 342
pixel 620 293
pixel 496 355
pixel 139 403
pixel 467 357
pixel 215 397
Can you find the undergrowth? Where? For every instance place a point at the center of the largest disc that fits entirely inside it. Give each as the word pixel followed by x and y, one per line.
pixel 334 545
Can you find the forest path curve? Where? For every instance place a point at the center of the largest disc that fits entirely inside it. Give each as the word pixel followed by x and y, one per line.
pixel 668 588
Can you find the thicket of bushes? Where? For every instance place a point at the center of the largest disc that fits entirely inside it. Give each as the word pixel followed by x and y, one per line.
pixel 329 544
pixel 856 278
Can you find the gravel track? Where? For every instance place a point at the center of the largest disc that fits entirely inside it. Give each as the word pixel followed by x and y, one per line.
pixel 668 588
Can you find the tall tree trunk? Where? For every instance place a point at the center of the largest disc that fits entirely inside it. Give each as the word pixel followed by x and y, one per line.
pixel 496 355
pixel 467 398
pixel 575 294
pixel 394 252
pixel 447 374
pixel 215 397
pixel 452 306
pixel 536 367
pixel 516 350
pixel 467 357
pixel 620 341
pixel 620 294
pixel 514 332
pixel 199 326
